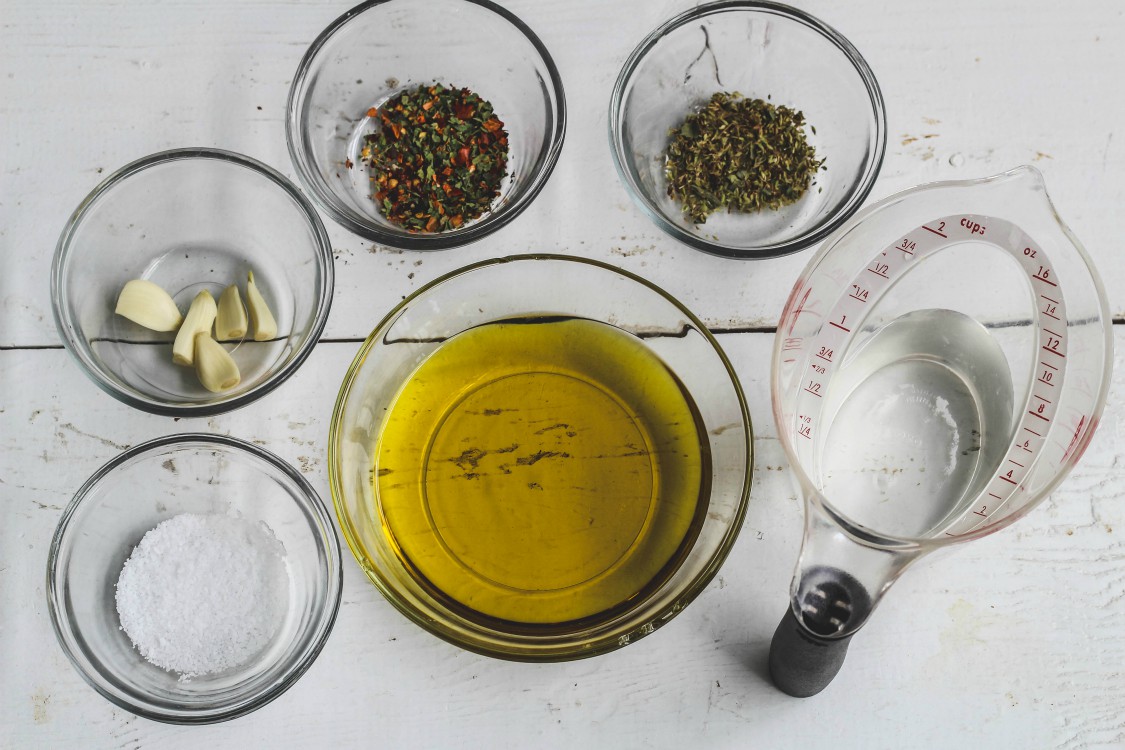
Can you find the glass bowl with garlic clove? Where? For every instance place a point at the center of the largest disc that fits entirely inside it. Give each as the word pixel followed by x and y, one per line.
pixel 191 282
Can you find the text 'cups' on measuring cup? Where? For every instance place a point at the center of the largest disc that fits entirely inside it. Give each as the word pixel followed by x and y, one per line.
pixel 940 366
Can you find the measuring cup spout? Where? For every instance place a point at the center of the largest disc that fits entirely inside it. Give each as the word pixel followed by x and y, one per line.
pixel 839 580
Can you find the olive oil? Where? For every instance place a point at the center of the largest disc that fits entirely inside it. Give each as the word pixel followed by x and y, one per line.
pixel 541 471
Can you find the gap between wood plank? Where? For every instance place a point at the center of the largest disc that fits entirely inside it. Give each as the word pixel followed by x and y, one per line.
pixel 716 331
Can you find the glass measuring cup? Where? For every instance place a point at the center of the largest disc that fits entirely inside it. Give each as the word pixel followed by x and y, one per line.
pixel 939 367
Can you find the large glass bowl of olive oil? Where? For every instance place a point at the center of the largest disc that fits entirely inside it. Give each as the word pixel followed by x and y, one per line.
pixel 540 457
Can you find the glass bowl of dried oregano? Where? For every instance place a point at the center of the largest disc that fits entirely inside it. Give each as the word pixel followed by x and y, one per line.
pixel 747 129
pixel 425 125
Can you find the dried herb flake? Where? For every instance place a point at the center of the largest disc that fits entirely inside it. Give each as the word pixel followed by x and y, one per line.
pixel 437 159
pixel 740 154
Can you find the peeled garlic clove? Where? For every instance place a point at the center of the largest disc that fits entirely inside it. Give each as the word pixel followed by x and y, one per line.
pixel 265 327
pixel 214 365
pixel 146 304
pixel 230 323
pixel 199 318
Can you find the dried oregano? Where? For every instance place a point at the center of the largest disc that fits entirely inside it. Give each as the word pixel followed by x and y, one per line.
pixel 739 154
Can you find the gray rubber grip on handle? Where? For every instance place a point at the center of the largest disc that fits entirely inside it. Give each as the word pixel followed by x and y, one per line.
pixel 801 663
pixel 806 655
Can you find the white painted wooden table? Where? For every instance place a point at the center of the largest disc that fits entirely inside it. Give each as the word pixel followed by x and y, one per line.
pixel 1015 641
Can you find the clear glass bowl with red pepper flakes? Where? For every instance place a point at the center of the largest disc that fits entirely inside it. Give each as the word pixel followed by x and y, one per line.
pixel 360 68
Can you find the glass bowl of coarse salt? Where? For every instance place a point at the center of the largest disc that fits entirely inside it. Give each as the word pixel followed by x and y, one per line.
pixel 194 578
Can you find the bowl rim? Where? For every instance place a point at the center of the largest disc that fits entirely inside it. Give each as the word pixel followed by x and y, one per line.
pixel 64 318
pixel 369 230
pixel 555 651
pixel 866 179
pixel 324 621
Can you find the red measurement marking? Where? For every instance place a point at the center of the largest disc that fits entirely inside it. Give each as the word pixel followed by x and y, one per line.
pixel 861 299
pixel 1017 463
pixel 787 361
pixel 1052 351
pixel 1026 449
pixel 1041 398
pixel 827 359
pixel 1047 365
pixel 1009 481
pixel 877 273
pixel 1046 382
pixel 1056 317
pixel 1045 281
pixel 947 533
pixel 1044 296
pixel 993 494
pixel 1074 439
pixel 799 309
pixel 805 435
pixel 934 231
pixel 1038 415
pixel 980 513
pixel 1056 335
pixel 812 392
pixel 848 330
pixel 1033 432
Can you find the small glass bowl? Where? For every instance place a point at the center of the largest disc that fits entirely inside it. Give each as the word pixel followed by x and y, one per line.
pixel 145 485
pixel 761 50
pixel 188 220
pixel 539 287
pixel 383 47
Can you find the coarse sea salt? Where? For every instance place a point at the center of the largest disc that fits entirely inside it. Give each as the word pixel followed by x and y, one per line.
pixel 202 594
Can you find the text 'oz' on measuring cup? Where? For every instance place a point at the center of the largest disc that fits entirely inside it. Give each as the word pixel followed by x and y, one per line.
pixel 939 367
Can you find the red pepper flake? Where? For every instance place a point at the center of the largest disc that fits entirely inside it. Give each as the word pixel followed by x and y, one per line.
pixel 438 157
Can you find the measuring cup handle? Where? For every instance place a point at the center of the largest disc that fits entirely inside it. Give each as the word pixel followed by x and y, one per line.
pixel 802 663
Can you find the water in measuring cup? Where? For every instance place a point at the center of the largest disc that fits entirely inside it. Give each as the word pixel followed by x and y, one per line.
pixel 920 414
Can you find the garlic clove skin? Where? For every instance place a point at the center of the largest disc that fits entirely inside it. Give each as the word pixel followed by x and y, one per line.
pixel 200 316
pixel 148 305
pixel 214 366
pixel 265 327
pixel 230 323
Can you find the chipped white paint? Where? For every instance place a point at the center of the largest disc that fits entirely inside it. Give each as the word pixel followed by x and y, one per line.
pixel 1014 641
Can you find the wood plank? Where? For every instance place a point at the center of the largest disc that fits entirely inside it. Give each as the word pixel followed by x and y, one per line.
pixel 970 91
pixel 1011 641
